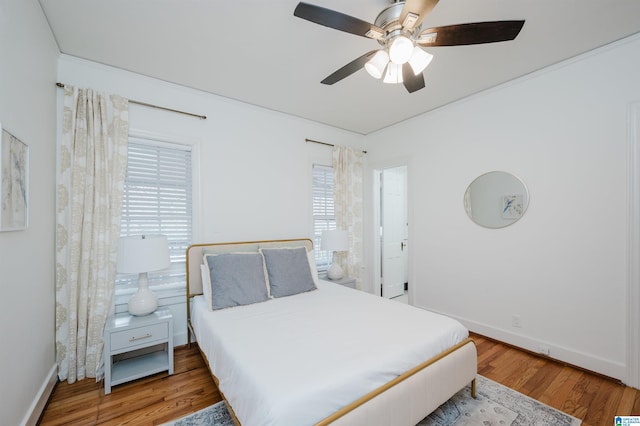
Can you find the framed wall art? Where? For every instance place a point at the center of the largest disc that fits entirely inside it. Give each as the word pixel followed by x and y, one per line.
pixel 14 174
pixel 512 206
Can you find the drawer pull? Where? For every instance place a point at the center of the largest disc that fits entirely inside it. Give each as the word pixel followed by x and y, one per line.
pixel 146 336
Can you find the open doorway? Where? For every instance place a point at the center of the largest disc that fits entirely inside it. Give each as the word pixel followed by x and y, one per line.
pixel 393 236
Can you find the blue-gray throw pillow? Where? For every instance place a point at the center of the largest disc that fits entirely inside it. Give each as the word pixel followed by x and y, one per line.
pixel 288 271
pixel 237 279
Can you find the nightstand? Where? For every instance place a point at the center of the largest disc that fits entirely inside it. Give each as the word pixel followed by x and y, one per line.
pixel 345 281
pixel 128 346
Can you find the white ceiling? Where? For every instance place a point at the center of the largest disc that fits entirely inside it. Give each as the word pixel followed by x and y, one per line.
pixel 257 52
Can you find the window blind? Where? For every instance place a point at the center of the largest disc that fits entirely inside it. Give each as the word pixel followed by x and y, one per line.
pixel 158 200
pixel 324 214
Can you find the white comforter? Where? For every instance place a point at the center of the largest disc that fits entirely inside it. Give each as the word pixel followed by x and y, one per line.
pixel 296 360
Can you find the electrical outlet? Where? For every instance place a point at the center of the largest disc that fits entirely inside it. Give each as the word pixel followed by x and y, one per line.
pixel 544 350
pixel 516 321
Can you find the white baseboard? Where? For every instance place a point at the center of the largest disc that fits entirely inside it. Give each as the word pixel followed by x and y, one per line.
pixel 38 404
pixel 558 352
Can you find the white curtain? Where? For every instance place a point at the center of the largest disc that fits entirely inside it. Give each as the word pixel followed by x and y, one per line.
pixel 92 162
pixel 348 175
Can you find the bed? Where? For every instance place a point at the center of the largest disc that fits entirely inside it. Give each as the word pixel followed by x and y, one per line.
pixel 317 353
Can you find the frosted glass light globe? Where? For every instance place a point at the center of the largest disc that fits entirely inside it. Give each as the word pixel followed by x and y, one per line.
pixel 400 50
pixel 419 60
pixel 375 66
pixel 393 74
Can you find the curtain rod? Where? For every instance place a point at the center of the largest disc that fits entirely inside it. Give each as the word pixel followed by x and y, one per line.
pixel 201 117
pixel 325 143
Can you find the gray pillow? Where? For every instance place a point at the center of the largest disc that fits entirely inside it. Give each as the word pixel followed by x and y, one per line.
pixel 236 279
pixel 288 271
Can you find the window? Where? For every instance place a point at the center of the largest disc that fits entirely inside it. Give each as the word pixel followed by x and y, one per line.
pixel 324 214
pixel 158 200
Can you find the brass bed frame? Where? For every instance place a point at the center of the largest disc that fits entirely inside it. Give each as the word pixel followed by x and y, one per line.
pixel 451 370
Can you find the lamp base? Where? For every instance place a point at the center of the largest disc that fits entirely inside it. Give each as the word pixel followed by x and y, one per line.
pixel 335 272
pixel 144 301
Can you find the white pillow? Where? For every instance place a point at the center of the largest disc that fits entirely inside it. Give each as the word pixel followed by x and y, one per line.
pixel 312 265
pixel 206 284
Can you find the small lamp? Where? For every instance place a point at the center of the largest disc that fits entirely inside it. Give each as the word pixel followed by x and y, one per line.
pixel 139 255
pixel 335 240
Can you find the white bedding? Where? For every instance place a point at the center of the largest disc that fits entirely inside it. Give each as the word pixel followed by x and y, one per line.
pixel 296 360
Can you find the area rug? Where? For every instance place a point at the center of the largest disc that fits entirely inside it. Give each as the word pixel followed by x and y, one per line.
pixel 495 405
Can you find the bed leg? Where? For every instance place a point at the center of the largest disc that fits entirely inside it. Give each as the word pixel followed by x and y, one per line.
pixel 473 388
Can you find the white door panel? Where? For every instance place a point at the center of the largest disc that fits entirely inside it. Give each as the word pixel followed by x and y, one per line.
pixel 394 222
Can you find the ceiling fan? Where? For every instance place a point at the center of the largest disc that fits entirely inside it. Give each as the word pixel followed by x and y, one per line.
pixel 398 29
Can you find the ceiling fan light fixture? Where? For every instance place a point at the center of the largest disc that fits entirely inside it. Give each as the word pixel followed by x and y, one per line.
pixel 375 66
pixel 393 74
pixel 397 28
pixel 400 50
pixel 419 60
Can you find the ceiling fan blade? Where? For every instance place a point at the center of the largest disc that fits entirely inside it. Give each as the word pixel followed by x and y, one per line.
pixel 348 69
pixel 336 20
pixel 471 33
pixel 411 81
pixel 421 8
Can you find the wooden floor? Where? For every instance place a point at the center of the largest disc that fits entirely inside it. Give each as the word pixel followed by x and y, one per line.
pixel 160 398
pixel 592 398
pixel 150 401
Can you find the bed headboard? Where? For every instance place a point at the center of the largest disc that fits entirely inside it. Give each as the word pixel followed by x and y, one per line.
pixel 196 251
pixel 195 254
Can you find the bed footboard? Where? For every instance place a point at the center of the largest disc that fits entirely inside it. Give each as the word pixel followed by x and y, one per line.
pixel 415 394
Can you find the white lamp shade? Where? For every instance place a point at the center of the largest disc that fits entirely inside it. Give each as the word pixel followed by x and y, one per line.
pixel 375 66
pixel 400 50
pixel 393 74
pixel 335 240
pixel 419 60
pixel 143 254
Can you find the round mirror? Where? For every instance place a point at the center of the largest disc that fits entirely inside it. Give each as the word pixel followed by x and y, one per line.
pixel 496 199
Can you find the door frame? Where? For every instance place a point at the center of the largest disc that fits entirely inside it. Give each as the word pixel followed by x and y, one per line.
pixel 374 233
pixel 633 249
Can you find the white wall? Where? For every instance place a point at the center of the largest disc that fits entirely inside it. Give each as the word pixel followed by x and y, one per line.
pixel 562 267
pixel 27 309
pixel 255 167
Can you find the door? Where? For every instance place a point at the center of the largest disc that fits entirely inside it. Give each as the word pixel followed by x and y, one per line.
pixel 393 219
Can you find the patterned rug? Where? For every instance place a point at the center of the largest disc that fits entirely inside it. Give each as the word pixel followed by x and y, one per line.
pixel 495 405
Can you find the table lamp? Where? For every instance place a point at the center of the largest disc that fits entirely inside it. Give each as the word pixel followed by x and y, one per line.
pixel 139 255
pixel 335 240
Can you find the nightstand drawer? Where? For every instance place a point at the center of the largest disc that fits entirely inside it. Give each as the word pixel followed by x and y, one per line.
pixel 141 335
